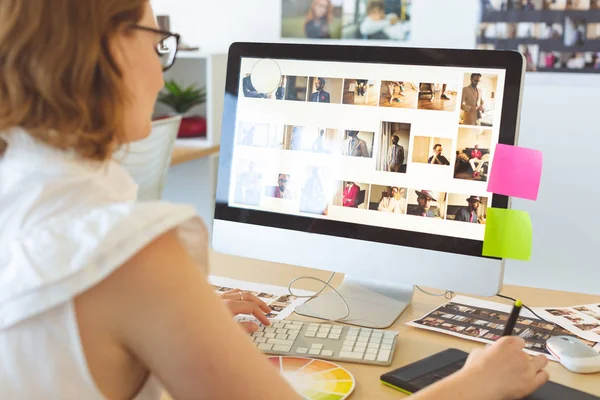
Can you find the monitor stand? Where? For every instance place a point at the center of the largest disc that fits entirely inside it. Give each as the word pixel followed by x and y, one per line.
pixel 373 304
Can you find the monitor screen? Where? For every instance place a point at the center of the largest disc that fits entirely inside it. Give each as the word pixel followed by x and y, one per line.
pixel 402 147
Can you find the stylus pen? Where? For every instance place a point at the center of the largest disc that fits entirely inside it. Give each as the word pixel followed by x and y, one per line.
pixel 512 319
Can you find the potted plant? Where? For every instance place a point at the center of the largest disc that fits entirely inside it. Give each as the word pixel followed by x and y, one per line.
pixel 181 99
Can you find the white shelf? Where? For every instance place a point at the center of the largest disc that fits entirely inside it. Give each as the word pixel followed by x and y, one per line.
pixel 193 142
pixel 203 70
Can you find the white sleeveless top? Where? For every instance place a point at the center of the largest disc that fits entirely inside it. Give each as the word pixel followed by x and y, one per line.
pixel 65 225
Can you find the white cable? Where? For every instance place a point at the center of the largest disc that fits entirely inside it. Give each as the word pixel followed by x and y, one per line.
pixel 325 284
pixel 448 294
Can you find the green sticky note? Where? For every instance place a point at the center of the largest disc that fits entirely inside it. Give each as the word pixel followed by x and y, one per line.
pixel 507 234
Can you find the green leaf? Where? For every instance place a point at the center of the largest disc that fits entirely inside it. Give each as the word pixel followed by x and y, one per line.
pixel 180 98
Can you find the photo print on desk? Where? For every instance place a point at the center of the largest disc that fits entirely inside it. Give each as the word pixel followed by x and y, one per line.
pixel 484 321
pixel 553 35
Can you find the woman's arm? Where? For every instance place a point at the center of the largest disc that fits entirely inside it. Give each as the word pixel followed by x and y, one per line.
pixel 160 308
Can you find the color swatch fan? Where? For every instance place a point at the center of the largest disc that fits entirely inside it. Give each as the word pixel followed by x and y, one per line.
pixel 315 379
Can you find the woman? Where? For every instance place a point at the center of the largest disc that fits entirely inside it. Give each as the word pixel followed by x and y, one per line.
pixel 318 18
pixel 102 297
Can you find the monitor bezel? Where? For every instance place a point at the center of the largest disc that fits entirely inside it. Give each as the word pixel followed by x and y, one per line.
pixel 510 61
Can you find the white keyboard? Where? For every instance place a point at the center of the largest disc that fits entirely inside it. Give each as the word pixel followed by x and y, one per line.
pixel 328 341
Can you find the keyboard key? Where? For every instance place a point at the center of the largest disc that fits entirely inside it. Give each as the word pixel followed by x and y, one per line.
pixel 281 342
pixel 313 327
pixel 333 336
pixel 299 323
pixel 269 335
pixel 261 328
pixel 322 335
pixel 327 353
pixel 347 349
pixel 260 340
pixel 390 335
pixel 377 335
pixel 270 329
pixel 280 336
pixel 278 325
pixel 316 346
pixel 386 347
pixel 368 330
pixel 362 340
pixel 372 351
pixel 370 357
pixel 293 335
pixel 375 340
pixel 387 341
pixel 360 349
pixel 351 355
pixel 314 352
pixel 301 350
pixel 265 346
pixel 348 343
pixel 279 347
pixel 337 331
pixel 383 356
pixel 373 346
pixel 257 334
pixel 310 334
pixel 281 331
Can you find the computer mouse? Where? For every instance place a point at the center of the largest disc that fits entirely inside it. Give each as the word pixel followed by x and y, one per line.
pixel 574 354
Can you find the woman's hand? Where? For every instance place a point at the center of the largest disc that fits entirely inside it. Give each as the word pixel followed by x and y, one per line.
pixel 504 371
pixel 241 302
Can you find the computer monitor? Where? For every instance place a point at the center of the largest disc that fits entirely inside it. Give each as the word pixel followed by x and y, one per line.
pixel 369 161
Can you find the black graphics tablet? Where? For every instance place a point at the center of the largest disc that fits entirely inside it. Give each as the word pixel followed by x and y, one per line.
pixel 416 376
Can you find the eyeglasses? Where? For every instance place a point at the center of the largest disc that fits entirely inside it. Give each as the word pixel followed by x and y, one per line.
pixel 167 48
pixel 425 198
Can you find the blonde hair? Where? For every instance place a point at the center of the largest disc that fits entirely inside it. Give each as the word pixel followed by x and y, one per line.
pixel 58 79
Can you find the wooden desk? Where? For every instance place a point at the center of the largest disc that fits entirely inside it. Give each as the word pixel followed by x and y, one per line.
pixel 413 343
pixel 182 154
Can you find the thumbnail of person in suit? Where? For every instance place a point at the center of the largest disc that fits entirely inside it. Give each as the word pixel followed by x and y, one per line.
pixel 393 203
pixel 280 191
pixel 476 161
pixel 249 90
pixel 437 157
pixel 424 199
pixel 472 101
pixel 320 95
pixel 350 195
pixel 469 214
pixel 354 146
pixel 313 196
pixel 395 156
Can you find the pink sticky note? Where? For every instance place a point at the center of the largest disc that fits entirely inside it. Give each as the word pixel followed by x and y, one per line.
pixel 516 171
